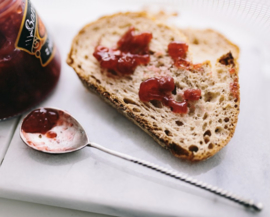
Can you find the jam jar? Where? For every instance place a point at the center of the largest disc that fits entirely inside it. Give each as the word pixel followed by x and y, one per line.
pixel 29 60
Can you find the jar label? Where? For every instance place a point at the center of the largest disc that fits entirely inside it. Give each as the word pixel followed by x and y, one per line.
pixel 33 37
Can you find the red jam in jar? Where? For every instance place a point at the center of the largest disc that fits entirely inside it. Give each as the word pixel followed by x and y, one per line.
pixel 132 50
pixel 161 88
pixel 29 60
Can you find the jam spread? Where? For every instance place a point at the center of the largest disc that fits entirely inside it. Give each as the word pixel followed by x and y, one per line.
pixel 51 134
pixel 41 121
pixel 132 50
pixel 178 52
pixel 234 87
pixel 26 75
pixel 161 88
pixel 192 94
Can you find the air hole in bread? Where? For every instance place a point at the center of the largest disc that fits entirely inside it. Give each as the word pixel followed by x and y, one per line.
pixel 153 117
pixel 206 139
pixel 218 130
pixel 204 126
pixel 221 99
pixel 155 124
pixel 179 123
pixel 168 133
pixel 191 111
pixel 205 116
pixel 130 101
pixel 210 146
pixel 112 72
pixel 136 110
pixel 201 142
pixel 146 105
pixel 106 94
pixel 192 128
pixel 219 121
pixel 79 66
pixel 156 103
pixel 86 57
pixel 177 150
pixel 210 96
pixel 236 106
pixel 116 101
pixel 226 127
pixel 174 91
pixel 195 41
pixel 142 115
pixel 226 119
pixel 193 148
pixel 98 81
pixel 207 133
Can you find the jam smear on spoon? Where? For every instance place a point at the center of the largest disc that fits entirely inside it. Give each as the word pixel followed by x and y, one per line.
pixel 41 121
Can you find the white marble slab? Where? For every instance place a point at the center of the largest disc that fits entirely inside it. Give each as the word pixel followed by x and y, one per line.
pixel 7 129
pixel 13 208
pixel 90 180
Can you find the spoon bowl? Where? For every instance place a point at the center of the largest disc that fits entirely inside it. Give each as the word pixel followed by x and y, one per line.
pixel 67 135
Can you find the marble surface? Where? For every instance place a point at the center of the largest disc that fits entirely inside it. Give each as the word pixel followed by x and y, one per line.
pixel 7 129
pixel 13 208
pixel 90 180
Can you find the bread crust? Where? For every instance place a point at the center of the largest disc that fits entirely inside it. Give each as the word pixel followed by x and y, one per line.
pixel 94 86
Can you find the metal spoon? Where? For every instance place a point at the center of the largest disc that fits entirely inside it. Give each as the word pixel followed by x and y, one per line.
pixel 72 137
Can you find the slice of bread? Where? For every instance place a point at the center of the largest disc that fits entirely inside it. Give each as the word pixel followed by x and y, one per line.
pixel 210 122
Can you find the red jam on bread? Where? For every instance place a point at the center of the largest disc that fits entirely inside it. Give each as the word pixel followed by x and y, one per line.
pixel 161 88
pixel 178 52
pixel 132 50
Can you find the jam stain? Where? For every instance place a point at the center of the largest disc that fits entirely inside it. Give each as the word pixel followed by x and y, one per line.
pixel 135 44
pixel 178 52
pixel 234 87
pixel 51 134
pixel 41 121
pixel 161 88
pixel 132 50
pixel 192 94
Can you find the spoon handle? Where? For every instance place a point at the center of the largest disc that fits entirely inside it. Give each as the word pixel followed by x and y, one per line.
pixel 245 202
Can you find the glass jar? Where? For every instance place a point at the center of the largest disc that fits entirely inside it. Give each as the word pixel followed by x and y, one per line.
pixel 29 60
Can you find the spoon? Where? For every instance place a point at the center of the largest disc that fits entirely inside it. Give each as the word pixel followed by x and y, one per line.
pixel 55 131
